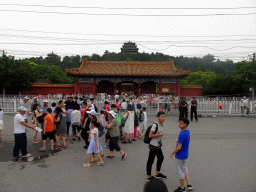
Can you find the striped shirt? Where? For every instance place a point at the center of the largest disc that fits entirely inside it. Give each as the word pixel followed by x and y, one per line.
pixel 75 117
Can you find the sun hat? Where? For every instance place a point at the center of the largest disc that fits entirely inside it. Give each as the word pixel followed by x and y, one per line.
pixel 45 101
pixel 26 98
pixel 35 98
pixel 112 113
pixel 91 111
pixel 22 108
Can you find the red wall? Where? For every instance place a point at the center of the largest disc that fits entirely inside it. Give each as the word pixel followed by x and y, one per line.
pixel 46 91
pixel 191 92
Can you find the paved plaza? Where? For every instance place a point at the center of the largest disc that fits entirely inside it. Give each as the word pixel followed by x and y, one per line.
pixel 222 158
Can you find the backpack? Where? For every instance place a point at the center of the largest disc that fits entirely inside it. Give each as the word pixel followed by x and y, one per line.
pixel 118 118
pixel 141 116
pixel 136 122
pixel 146 137
pixel 40 119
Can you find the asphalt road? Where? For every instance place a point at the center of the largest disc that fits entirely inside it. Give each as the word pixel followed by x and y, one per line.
pixel 222 158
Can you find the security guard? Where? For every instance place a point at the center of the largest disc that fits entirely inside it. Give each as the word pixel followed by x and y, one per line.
pixel 194 109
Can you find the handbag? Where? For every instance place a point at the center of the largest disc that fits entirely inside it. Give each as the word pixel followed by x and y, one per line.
pixel 123 121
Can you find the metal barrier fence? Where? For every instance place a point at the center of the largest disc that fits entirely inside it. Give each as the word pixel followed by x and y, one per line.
pixel 10 104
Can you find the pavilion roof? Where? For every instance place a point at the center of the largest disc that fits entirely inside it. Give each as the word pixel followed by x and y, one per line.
pixel 122 68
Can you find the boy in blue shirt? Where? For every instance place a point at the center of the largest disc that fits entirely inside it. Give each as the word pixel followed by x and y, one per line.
pixel 181 154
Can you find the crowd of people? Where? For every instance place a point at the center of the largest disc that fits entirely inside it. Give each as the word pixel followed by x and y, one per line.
pixel 81 117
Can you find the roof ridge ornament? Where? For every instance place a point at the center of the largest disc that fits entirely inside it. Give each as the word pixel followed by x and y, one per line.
pixel 84 63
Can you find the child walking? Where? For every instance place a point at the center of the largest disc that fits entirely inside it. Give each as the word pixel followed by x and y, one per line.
pixel 94 145
pixel 181 154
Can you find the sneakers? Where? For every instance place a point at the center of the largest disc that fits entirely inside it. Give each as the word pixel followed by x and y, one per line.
pixel 179 189
pixel 160 176
pixel 42 149
pixel 107 146
pixel 124 156
pixel 189 187
pixel 133 139
pixel 85 146
pixel 124 142
pixel 27 155
pixel 56 147
pixel 79 138
pixel 150 178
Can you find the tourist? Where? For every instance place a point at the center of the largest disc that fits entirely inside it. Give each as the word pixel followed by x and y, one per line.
pixel 139 113
pixel 94 146
pixel 106 108
pixel 69 111
pixel 181 154
pixel 244 105
pixel 137 129
pixel 76 122
pixel 86 127
pixel 48 131
pixel 102 117
pixel 128 128
pixel 70 102
pixel 113 127
pixel 80 103
pixel 144 102
pixel 156 134
pixel 144 125
pixel 53 108
pixel 36 113
pixel 65 113
pixel 76 101
pixel 43 109
pixel 193 109
pixel 166 103
pixel 124 107
pixel 34 102
pixel 25 104
pixel 92 116
pixel 61 128
pixel 20 134
pixel 1 122
pixel 117 105
pixel 155 185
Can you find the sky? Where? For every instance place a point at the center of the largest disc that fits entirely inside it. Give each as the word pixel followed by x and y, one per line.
pixel 224 28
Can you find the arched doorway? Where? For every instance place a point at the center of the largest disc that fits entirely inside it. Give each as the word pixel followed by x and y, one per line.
pixel 105 87
pixel 149 87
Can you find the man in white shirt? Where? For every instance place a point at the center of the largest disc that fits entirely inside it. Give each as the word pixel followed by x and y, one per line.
pixel 244 105
pixel 25 104
pixel 20 134
pixel 76 122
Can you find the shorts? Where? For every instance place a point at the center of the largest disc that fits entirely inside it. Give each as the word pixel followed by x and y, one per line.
pixel 49 135
pixel 113 144
pixel 124 110
pixel 181 167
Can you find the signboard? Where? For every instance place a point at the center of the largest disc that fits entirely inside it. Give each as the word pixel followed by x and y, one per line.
pixel 165 90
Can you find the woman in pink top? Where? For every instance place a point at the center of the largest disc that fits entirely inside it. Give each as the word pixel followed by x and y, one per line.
pixel 117 105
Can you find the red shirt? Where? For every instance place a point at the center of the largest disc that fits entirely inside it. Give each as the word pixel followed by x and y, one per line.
pixel 82 111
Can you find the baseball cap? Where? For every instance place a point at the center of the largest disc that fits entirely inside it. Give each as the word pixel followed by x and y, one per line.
pixel 112 113
pixel 35 98
pixel 91 111
pixel 22 108
pixel 244 97
pixel 26 98
pixel 45 101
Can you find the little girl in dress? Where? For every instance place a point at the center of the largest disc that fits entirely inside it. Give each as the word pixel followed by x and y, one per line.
pixel 94 146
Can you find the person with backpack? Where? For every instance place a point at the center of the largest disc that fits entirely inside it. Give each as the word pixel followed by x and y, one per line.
pixel 93 107
pixel 36 113
pixel 153 137
pixel 140 115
